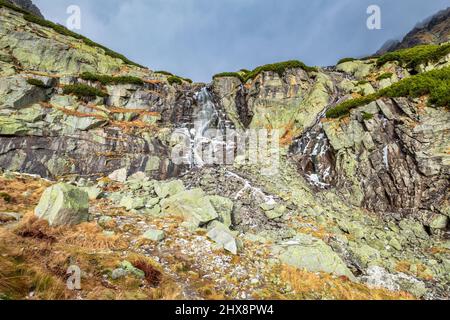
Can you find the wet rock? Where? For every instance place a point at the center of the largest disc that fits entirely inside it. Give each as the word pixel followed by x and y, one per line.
pixel 63 204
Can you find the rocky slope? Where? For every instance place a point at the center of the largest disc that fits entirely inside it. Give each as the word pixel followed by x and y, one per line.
pixel 27 5
pixel 357 207
pixel 434 30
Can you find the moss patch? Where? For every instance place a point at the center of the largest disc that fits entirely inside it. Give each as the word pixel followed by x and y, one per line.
pixel 386 75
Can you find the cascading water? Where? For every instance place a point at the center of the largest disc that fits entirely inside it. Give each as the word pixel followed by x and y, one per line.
pixel 207 133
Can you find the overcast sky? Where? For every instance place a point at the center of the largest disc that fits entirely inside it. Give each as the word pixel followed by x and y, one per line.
pixel 198 38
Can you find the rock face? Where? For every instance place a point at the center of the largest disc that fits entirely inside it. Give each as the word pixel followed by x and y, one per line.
pixel 27 5
pixel 63 204
pixel 393 162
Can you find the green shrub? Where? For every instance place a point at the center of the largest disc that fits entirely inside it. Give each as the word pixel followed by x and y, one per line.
pixel 83 91
pixel 37 83
pixel 174 80
pixel 166 73
pixel 106 80
pixel 244 71
pixel 64 31
pixel 346 60
pixel 229 74
pixel 367 116
pixel 280 68
pixel 435 84
pixel 362 82
pixel 345 107
pixel 387 75
pixel 413 57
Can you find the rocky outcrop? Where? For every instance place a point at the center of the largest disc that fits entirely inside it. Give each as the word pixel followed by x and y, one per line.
pixel 388 156
pixel 27 5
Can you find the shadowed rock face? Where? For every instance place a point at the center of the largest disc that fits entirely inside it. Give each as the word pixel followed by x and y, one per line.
pixel 27 5
pixel 393 163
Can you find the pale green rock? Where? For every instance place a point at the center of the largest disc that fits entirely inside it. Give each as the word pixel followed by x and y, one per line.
pixel 119 175
pixel 155 211
pixel 93 192
pixel 439 222
pixel 153 164
pixel 167 189
pixel 224 208
pixel 132 203
pixel 307 252
pixel 130 269
pixel 12 127
pixel 63 204
pixel 193 205
pixel 366 255
pixel 276 213
pixel 154 235
pixel 221 235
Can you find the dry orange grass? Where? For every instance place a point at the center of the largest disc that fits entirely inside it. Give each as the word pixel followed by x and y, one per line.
pixel 307 285
pixel 20 194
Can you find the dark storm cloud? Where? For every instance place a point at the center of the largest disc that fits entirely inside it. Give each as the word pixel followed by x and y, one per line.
pixel 198 38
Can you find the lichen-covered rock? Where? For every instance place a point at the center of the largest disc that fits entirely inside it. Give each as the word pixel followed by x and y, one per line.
pixel 220 234
pixel 224 208
pixel 167 189
pixel 63 204
pixel 154 235
pixel 306 252
pixel 193 205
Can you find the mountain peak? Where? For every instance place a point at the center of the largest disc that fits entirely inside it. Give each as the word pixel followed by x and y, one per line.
pixel 433 30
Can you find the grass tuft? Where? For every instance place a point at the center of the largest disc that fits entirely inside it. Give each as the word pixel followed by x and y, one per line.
pixel 37 83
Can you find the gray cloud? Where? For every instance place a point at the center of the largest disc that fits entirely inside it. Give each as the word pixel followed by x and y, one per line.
pixel 198 38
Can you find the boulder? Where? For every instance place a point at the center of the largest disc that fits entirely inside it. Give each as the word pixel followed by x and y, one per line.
pixel 154 235
pixel 119 175
pixel 63 204
pixel 193 205
pixel 312 254
pixel 221 235
pixel 132 203
pixel 167 189
pixel 224 208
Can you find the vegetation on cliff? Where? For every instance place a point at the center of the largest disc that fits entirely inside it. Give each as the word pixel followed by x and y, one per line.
pixel 413 57
pixel 83 91
pixel 280 68
pixel 107 80
pixel 435 84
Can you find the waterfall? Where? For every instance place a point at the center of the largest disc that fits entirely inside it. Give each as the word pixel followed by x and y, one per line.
pixel 206 132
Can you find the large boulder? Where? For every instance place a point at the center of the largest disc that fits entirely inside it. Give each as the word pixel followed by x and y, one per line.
pixel 312 254
pixel 193 205
pixel 63 204
pixel 222 236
